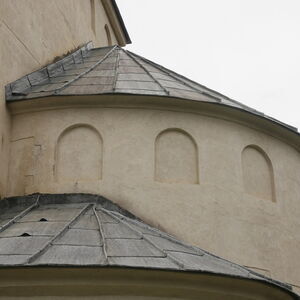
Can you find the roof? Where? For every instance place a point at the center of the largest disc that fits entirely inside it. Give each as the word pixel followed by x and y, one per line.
pixel 114 70
pixel 89 230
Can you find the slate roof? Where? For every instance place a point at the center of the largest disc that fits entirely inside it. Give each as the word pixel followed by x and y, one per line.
pixel 114 70
pixel 89 230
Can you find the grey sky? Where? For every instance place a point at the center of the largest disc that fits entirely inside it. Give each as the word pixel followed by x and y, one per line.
pixel 248 50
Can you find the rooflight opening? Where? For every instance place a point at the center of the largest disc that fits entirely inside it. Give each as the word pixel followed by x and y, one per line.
pixel 43 220
pixel 25 234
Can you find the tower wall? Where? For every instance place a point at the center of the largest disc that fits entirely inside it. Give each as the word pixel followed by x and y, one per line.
pixel 32 34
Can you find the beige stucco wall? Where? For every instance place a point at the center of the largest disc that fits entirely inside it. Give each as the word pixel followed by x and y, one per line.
pixel 32 34
pixel 210 208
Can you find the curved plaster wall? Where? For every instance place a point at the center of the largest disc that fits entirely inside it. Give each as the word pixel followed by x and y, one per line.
pixel 132 168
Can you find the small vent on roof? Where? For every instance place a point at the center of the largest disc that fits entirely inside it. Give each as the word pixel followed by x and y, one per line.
pixel 43 220
pixel 25 234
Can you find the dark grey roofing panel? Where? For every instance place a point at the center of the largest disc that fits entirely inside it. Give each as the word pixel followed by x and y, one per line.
pixel 190 95
pixel 20 86
pixel 169 245
pixel 80 237
pixel 158 75
pixel 100 73
pixel 22 245
pixel 93 58
pixel 105 66
pixel 143 229
pixel 86 222
pixel 127 62
pixel 150 262
pixel 71 255
pixel 130 70
pixel 46 87
pixel 38 76
pixel 51 214
pixel 131 248
pixel 13 259
pixel 138 85
pixel 174 84
pixel 82 89
pixel 33 228
pixel 94 80
pixel 140 92
pixel 119 231
pixel 205 263
pixel 106 218
pixel 60 79
pixel 134 77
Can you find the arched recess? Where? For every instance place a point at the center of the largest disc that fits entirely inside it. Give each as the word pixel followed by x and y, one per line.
pixel 258 173
pixel 79 154
pixel 176 157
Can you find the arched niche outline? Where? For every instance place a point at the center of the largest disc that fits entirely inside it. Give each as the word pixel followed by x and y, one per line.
pixel 176 157
pixel 258 174
pixel 81 158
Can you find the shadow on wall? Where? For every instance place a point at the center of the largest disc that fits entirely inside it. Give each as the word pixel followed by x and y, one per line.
pixel 258 173
pixel 78 155
pixel 176 157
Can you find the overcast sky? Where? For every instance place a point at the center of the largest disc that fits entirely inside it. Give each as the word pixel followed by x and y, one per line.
pixel 248 50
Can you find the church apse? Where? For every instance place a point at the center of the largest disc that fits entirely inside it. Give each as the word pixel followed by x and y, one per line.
pixel 176 157
pixel 78 155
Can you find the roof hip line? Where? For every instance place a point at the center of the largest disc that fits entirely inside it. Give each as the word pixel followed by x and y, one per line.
pixel 21 215
pixel 60 233
pixel 101 233
pixel 87 71
pixel 177 77
pixel 116 70
pixel 133 58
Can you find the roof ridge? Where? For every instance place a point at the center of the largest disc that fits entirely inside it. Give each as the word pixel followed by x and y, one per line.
pixel 101 233
pixel 134 59
pixel 116 70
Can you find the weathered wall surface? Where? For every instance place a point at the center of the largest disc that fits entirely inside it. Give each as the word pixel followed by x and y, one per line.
pixel 185 173
pixel 32 34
